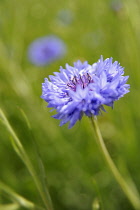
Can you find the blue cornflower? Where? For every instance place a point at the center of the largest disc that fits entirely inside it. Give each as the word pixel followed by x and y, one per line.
pixel 116 5
pixel 44 50
pixel 84 89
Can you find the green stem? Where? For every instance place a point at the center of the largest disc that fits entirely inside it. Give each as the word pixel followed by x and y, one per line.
pixel 23 155
pixel 133 198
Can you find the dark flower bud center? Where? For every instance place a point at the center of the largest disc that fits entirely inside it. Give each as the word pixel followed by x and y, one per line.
pixel 82 80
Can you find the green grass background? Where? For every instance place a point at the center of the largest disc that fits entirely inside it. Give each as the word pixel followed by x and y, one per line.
pixel 76 173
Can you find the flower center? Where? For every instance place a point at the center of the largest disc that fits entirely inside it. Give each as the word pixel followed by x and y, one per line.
pixel 82 80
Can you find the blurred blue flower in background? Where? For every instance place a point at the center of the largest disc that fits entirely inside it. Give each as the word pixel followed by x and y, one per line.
pixel 44 50
pixel 84 89
pixel 97 38
pixel 65 17
pixel 116 5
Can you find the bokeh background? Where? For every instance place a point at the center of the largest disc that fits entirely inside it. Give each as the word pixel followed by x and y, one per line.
pixel 76 173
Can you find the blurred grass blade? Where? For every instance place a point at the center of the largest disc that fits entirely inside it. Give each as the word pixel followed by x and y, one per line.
pixel 25 117
pixel 14 196
pixel 12 206
pixel 23 155
pixel 43 179
pixel 39 159
pixel 96 204
pixel 128 178
pixel 15 146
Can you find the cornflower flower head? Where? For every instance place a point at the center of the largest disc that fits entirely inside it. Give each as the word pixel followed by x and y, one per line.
pixel 45 50
pixel 84 89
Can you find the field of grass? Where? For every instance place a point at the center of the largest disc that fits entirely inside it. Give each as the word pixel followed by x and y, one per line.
pixel 74 170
